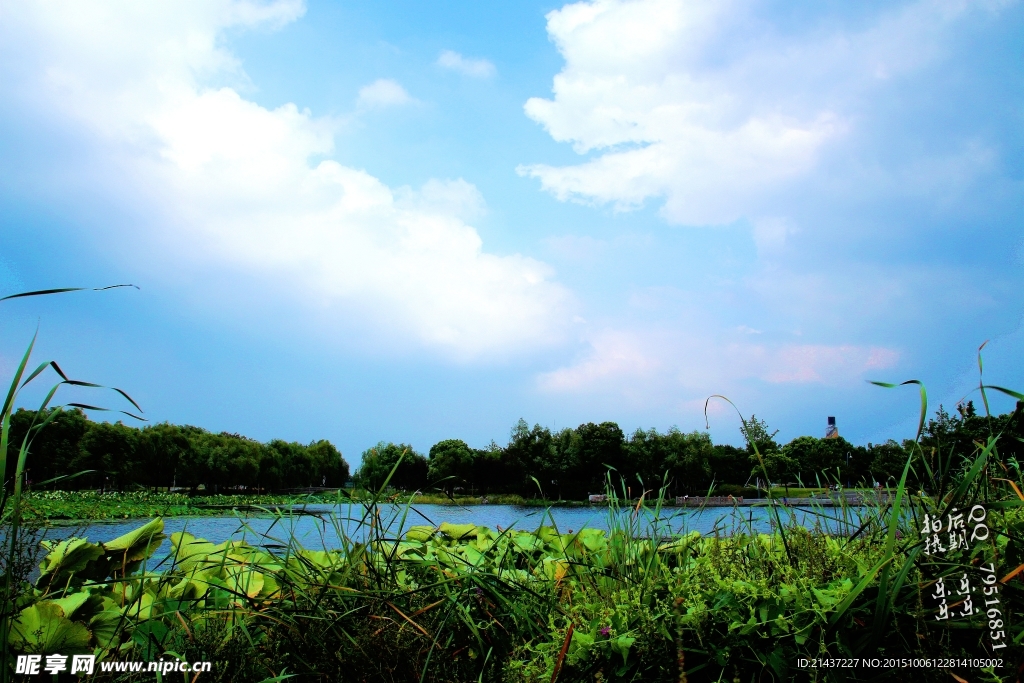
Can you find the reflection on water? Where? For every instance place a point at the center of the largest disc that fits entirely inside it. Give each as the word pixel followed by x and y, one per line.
pixel 325 526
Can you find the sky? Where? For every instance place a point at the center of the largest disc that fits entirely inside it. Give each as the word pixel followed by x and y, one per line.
pixel 409 221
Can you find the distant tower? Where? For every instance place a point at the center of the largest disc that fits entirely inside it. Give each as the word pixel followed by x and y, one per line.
pixel 831 432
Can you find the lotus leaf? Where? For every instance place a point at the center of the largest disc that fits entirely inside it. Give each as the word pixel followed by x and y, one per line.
pixel 245 581
pixel 420 533
pixel 71 603
pixel 107 624
pixel 68 557
pixel 43 628
pixel 138 544
pixel 457 532
pixel 190 552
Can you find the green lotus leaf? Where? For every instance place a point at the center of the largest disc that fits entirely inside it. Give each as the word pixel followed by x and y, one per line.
pixel 107 626
pixel 592 539
pixel 472 555
pixel 457 532
pixel 190 551
pixel 136 545
pixel 526 541
pixel 65 558
pixel 142 608
pixel 70 604
pixel 245 581
pixel 43 629
pixel 420 533
pixel 319 558
pixel 271 587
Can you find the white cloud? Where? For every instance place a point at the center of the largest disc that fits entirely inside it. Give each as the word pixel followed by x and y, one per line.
pixel 467 66
pixel 223 181
pixel 656 365
pixel 383 92
pixel 682 101
pixel 449 197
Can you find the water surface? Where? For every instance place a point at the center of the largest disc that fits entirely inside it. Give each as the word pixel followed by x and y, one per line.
pixel 327 526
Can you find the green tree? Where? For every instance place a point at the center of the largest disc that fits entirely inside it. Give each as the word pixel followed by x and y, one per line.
pixel 689 460
pixel 597 448
pixel 755 432
pixel 729 465
pixel 494 471
pixel 328 463
pixel 192 461
pixel 378 461
pixel 821 460
pixel 54 449
pixel 112 450
pixel 451 464
pixel 296 467
pixel 887 461
pixel 164 447
pixel 777 466
pixel 533 452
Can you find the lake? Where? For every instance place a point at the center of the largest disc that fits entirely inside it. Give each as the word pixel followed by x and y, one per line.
pixel 322 526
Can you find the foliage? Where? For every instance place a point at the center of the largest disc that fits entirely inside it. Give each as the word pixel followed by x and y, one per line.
pixel 396 464
pixel 571 463
pixel 119 457
pixel 41 506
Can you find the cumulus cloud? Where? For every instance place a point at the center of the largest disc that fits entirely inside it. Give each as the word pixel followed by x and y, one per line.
pixel 467 66
pixel 682 101
pixel 383 92
pixel 157 96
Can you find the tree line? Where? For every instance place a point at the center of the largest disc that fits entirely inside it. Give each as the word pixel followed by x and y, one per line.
pixel 536 462
pixel 571 463
pixel 114 456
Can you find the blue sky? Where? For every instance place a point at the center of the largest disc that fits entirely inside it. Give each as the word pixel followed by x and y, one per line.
pixel 417 221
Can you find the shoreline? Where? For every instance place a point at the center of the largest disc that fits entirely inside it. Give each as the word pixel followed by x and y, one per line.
pixel 92 507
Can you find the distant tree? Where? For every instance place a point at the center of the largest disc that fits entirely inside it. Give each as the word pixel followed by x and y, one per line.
pixel 830 458
pixel 112 450
pixel 451 464
pixel 53 449
pixel 598 447
pixel 242 456
pixel 192 462
pixel 689 460
pixel 729 465
pixel 565 465
pixel 645 451
pixel 494 471
pixel 802 451
pixel 777 466
pixel 165 447
pixel 296 466
pixel 377 463
pixel 328 463
pixel 755 432
pixel 533 452
pixel 887 461
pixel 821 460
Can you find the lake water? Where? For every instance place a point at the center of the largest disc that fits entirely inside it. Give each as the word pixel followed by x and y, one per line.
pixel 326 525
